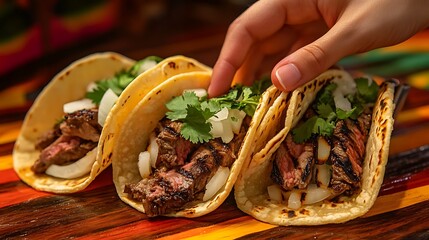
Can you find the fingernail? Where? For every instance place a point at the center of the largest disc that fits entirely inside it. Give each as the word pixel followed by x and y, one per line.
pixel 288 76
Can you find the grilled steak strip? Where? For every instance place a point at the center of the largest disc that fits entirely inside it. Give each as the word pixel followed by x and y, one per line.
pixel 293 164
pixel 83 124
pixel 69 141
pixel 348 152
pixel 173 149
pixel 64 150
pixel 167 191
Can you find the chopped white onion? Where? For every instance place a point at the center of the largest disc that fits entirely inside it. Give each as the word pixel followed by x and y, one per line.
pixel 144 164
pixel 294 201
pixel 236 117
pixel 78 105
pixel 345 86
pixel 107 101
pixel 341 101
pixel 323 174
pixel 200 92
pixel 315 194
pixel 221 115
pixel 77 169
pixel 153 149
pixel 91 86
pixel 227 134
pixel 323 150
pixel 275 192
pixel 225 123
pixel 148 64
pixel 216 182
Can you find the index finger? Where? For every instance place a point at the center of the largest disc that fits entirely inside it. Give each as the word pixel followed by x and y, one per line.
pixel 260 21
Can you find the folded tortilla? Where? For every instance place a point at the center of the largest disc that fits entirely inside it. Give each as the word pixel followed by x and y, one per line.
pixel 71 85
pixel 136 130
pixel 251 187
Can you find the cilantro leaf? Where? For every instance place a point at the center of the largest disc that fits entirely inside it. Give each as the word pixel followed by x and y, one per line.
pixel 314 125
pixel 367 89
pixel 195 112
pixel 118 82
pixel 195 128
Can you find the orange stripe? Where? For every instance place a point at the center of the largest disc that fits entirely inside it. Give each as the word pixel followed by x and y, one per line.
pixel 419 113
pixel 231 229
pixel 9 131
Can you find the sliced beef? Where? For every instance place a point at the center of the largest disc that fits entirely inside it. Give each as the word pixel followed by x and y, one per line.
pixel 170 190
pixel 82 123
pixel 47 138
pixel 293 164
pixel 173 149
pixel 69 141
pixel 64 150
pixel 348 151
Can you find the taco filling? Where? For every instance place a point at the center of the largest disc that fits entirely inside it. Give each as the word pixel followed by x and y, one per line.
pixel 192 149
pixel 68 150
pixel 322 157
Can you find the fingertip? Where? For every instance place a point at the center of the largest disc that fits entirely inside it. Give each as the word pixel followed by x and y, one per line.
pixel 222 76
pixel 286 77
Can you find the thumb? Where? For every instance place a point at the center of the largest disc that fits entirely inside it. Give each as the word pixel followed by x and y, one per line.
pixel 308 62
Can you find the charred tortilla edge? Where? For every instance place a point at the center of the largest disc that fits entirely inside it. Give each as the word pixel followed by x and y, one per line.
pixel 143 119
pixel 250 191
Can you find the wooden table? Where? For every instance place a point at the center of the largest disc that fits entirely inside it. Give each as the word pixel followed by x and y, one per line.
pixel 401 210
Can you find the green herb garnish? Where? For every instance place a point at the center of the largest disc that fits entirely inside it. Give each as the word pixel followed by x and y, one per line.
pixel 118 82
pixel 194 111
pixel 327 114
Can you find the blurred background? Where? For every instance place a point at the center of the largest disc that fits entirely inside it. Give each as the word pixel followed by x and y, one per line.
pixel 38 38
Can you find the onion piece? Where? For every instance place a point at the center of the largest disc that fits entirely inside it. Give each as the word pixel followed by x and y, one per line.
pixel 236 117
pixel 77 169
pixel 107 101
pixel 144 164
pixel 227 134
pixel 200 92
pixel 78 105
pixel 146 65
pixel 323 150
pixel 323 174
pixel 216 182
pixel 91 86
pixel 294 201
pixel 315 194
pixel 275 192
pixel 221 115
pixel 153 149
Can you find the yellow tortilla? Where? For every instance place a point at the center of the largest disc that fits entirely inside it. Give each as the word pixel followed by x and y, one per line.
pixel 251 186
pixel 67 86
pixel 134 138
pixel 70 85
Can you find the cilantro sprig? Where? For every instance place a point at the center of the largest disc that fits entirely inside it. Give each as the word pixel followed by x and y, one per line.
pixel 327 114
pixel 119 81
pixel 194 112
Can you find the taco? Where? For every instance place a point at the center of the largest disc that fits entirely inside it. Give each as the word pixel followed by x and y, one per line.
pixel 60 145
pixel 326 162
pixel 179 153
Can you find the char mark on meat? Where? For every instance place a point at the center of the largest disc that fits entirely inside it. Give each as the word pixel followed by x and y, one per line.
pixel 293 164
pixel 82 123
pixel 69 141
pixel 173 149
pixel 168 191
pixel 348 153
pixel 64 150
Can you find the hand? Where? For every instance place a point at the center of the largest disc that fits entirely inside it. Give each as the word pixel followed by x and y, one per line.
pixel 310 36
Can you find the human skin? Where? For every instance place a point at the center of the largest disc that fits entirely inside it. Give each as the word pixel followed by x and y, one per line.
pixel 299 39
